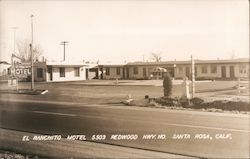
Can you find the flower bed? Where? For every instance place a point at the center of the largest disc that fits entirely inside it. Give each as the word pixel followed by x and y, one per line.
pixel 198 103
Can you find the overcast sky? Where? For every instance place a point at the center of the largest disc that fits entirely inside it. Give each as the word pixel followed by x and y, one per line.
pixel 128 30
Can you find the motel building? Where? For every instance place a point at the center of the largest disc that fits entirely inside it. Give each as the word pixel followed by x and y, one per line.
pixel 50 71
pixel 204 69
pixel 65 71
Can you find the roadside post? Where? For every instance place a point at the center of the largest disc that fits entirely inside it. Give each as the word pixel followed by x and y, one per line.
pixel 193 77
pixel 185 88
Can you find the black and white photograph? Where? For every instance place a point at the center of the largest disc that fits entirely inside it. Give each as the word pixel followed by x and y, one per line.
pixel 124 79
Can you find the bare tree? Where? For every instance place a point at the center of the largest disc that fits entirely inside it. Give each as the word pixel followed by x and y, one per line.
pixel 156 56
pixel 233 54
pixel 23 47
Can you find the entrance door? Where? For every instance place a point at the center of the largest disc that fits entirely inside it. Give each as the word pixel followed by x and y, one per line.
pixel 123 72
pixel 195 71
pixel 232 72
pixel 127 70
pixel 144 72
pixel 188 74
pixel 50 78
pixel 223 71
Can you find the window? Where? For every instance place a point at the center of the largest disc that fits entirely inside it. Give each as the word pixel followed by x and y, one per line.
pixel 62 72
pixel 213 69
pixel 135 70
pixel 243 69
pixel 39 73
pixel 204 69
pixel 118 71
pixel 179 70
pixel 77 71
pixel 107 71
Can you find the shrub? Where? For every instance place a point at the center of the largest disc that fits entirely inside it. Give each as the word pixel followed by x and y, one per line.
pixel 167 85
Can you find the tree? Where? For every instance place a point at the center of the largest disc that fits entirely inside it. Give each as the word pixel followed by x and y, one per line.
pixel 167 85
pixel 156 56
pixel 23 48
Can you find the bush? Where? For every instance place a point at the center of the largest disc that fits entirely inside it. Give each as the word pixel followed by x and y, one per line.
pixel 167 85
pixel 196 101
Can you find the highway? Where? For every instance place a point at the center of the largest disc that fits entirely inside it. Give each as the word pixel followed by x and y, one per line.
pixel 185 132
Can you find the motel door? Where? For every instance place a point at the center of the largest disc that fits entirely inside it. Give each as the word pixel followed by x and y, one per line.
pixel 127 71
pixel 50 74
pixel 144 72
pixel 223 71
pixel 123 72
pixel 232 72
pixel 188 73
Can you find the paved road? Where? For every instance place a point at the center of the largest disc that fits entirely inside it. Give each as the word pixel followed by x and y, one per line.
pixel 228 133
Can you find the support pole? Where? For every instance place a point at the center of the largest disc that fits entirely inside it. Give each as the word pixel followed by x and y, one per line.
pixel 31 52
pixel 193 76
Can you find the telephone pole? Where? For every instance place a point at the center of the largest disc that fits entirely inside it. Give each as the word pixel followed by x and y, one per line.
pixel 14 51
pixel 31 52
pixel 64 43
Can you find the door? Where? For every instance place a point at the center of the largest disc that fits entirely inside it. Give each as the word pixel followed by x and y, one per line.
pixel 223 72
pixel 127 70
pixel 123 72
pixel 50 78
pixel 144 72
pixel 232 75
pixel 188 74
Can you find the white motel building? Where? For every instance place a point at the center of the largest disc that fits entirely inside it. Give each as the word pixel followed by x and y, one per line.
pixel 52 71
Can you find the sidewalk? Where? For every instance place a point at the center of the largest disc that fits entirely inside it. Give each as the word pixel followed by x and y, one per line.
pixel 12 140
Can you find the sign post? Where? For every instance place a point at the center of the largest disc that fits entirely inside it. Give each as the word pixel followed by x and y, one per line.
pixel 193 76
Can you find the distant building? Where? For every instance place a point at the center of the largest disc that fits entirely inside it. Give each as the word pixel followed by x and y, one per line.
pixel 4 68
pixel 204 69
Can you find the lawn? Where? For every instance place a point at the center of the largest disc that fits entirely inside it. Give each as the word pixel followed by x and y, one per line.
pixel 98 93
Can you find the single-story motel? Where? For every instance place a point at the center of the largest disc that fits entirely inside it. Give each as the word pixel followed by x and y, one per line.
pixel 204 69
pixel 75 71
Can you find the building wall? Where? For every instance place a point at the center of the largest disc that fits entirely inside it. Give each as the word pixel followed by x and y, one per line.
pixel 180 71
pixel 112 73
pixel 69 74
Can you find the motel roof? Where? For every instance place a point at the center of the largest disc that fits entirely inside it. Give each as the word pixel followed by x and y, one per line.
pixel 243 60
pixel 65 63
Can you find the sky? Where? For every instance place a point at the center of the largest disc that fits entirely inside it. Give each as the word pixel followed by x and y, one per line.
pixel 128 30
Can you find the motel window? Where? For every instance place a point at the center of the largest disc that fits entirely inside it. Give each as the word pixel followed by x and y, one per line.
pixel 77 71
pixel 204 69
pixel 243 69
pixel 62 72
pixel 118 71
pixel 179 70
pixel 107 71
pixel 135 70
pixel 39 73
pixel 213 69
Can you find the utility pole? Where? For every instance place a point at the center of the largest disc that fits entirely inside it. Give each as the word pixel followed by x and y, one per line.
pixel 193 76
pixel 31 52
pixel 14 51
pixel 64 43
